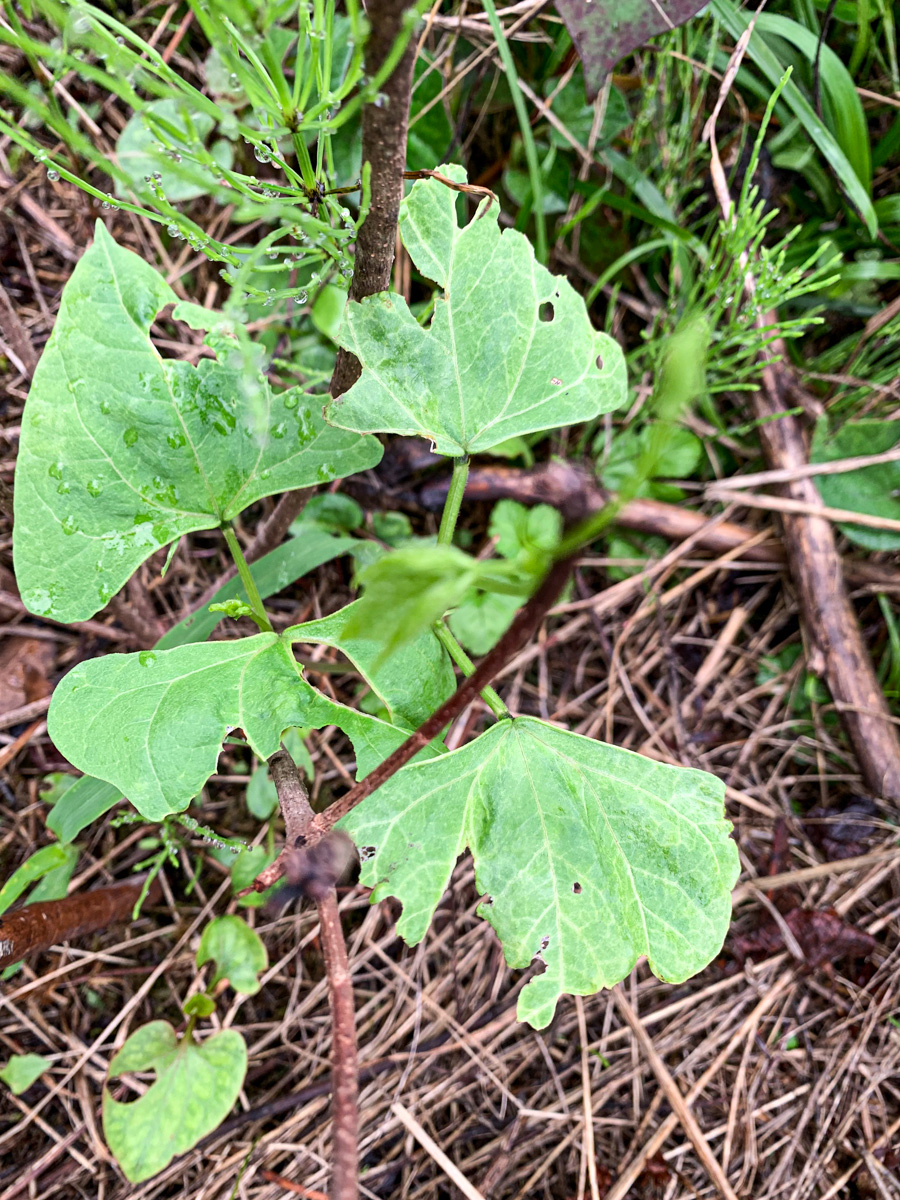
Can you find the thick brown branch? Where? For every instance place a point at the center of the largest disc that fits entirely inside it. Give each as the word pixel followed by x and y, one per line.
pixel 384 129
pixel 834 642
pixel 37 926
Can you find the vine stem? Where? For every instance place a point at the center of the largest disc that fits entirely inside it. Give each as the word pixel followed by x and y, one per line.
pixel 465 664
pixel 259 613
pixel 313 874
pixel 454 501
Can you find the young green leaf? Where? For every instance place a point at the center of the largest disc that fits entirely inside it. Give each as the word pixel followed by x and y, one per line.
pixel 22 1071
pixel 483 617
pixel 35 867
pixel 404 594
pixel 510 349
pixel 590 855
pixel 195 1088
pixel 86 800
pixel 412 682
pixel 152 724
pixel 238 952
pixel 105 412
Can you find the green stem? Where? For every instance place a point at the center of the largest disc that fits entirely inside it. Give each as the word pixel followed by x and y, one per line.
pixel 453 501
pixel 531 155
pixel 259 613
pixel 465 664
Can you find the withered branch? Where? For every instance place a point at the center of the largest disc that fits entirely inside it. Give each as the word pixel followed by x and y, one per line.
pixel 38 926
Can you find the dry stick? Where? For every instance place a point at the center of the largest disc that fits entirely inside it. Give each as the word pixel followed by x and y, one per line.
pixel 384 129
pixel 626 1180
pixel 524 626
pixel 38 926
pixel 835 645
pixel 316 877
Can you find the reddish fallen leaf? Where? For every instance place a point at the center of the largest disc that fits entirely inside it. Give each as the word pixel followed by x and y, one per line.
pixel 824 937
pixel 606 30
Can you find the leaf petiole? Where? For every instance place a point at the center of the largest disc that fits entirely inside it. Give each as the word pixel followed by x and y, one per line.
pixel 453 501
pixel 259 613
pixel 465 664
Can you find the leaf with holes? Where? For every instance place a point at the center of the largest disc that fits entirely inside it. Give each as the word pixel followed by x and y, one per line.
pixel 152 724
pixel 510 349
pixel 589 855
pixel 195 1088
pixel 606 30
pixel 122 451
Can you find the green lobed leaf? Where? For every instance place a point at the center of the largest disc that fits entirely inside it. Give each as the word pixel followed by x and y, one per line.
pixel 489 367
pixel 590 855
pixel 152 724
pixel 238 952
pixel 123 451
pixel 22 1071
pixel 195 1088
pixel 412 682
pixel 871 490
pixel 606 30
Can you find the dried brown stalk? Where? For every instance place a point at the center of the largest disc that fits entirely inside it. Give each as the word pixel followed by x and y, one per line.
pixel 835 647
pixel 38 926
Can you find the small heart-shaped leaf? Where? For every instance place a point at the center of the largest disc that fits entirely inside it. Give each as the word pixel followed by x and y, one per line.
pixel 195 1088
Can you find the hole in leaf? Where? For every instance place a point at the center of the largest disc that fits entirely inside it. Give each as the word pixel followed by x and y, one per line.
pixel 599 362
pixel 545 942
pixel 546 312
pixel 366 852
pixel 576 888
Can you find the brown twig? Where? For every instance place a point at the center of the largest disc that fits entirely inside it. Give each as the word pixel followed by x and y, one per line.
pixel 384 129
pixel 37 926
pixel 520 632
pixel 313 873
